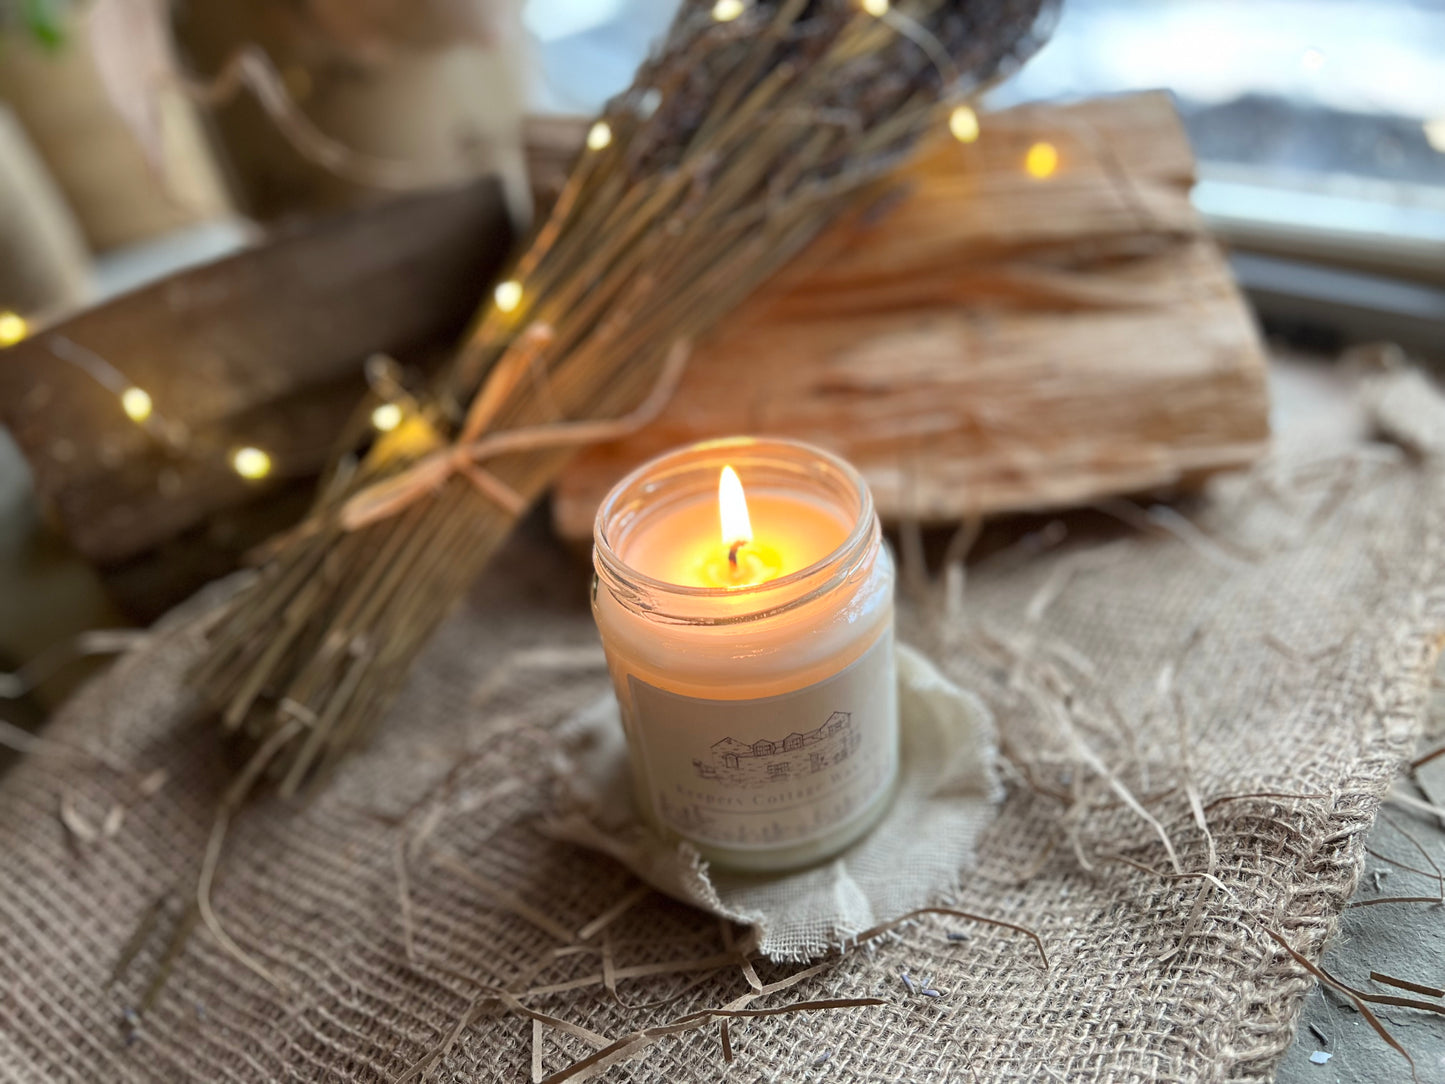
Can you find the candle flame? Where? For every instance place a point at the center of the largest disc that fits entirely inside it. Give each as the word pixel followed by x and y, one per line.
pixel 732 508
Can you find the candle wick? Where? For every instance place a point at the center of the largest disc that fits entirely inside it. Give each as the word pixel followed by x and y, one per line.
pixel 733 553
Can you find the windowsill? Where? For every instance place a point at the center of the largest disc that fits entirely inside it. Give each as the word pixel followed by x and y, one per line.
pixel 1391 229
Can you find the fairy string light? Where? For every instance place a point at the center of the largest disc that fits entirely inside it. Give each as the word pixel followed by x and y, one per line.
pixel 248 461
pixel 599 136
pixel 13 328
pixel 135 402
pixel 507 295
pixel 253 463
pixel 1042 161
pixel 963 124
pixel 386 417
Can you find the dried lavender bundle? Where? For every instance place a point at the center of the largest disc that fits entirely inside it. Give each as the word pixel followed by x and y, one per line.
pixel 734 146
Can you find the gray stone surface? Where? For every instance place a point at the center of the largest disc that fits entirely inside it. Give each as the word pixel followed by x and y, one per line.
pixel 1403 940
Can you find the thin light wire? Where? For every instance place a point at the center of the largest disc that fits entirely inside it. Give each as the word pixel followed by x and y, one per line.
pixel 117 383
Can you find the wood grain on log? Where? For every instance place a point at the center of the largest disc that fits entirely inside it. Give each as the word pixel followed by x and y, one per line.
pixel 979 340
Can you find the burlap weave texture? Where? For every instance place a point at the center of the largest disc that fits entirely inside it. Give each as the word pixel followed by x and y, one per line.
pixel 1279 642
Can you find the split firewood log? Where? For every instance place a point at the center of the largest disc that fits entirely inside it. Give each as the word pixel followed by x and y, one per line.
pixel 1032 320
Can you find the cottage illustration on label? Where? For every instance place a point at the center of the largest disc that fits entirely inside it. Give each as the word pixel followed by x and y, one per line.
pixel 797 755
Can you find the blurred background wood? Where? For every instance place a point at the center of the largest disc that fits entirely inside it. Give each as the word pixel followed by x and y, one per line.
pixel 44 264
pixel 96 159
pixel 986 338
pixel 436 85
pixel 263 348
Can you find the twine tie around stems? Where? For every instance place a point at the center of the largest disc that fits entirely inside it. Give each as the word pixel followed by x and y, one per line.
pixel 466 454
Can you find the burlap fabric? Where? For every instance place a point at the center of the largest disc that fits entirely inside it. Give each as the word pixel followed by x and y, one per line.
pixel 1277 643
pixel 946 797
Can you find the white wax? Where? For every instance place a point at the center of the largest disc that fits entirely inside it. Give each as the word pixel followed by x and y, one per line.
pixel 760 654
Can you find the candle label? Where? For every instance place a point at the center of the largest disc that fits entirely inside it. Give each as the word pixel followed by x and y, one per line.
pixel 775 771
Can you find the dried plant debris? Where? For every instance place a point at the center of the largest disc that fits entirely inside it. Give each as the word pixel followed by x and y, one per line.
pixel 1406 984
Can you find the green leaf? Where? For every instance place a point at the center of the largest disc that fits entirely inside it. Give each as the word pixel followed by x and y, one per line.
pixel 45 20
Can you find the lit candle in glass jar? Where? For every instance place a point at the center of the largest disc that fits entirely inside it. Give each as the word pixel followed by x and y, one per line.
pixel 745 602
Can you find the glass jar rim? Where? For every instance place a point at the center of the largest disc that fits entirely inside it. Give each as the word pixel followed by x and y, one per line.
pixel 692 457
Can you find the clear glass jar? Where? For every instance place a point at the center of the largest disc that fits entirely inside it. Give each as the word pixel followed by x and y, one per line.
pixel 762 721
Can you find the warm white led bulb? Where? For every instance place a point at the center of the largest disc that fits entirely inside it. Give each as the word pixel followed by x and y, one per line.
pixel 12 328
pixel 136 403
pixel 725 11
pixel 251 463
pixel 877 8
pixel 386 417
pixel 508 295
pixel 963 123
pixel 599 135
pixel 1042 161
